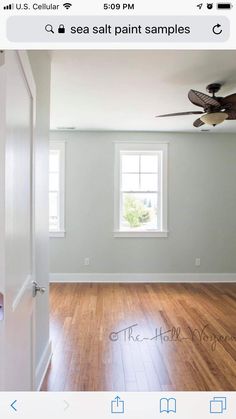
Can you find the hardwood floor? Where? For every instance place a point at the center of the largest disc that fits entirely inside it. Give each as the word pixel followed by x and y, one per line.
pixel 196 349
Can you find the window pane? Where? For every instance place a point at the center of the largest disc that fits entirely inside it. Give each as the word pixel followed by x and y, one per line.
pixel 139 212
pixel 130 182
pixel 53 211
pixel 130 163
pixel 54 159
pixel 54 181
pixel 149 164
pixel 149 182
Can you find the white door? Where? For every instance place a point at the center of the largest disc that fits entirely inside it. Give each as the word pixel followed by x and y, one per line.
pixel 18 99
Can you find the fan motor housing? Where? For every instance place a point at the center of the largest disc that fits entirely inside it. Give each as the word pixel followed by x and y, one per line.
pixel 213 88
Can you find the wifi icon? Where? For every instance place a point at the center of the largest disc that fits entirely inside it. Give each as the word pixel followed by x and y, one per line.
pixel 67 5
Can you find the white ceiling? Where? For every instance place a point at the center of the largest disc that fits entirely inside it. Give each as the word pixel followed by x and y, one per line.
pixel 124 90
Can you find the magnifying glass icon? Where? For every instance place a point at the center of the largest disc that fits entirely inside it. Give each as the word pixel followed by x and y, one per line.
pixel 49 28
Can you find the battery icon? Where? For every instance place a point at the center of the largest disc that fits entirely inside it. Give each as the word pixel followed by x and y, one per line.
pixel 224 6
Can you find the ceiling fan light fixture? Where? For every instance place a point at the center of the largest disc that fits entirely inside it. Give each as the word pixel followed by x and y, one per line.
pixel 214 118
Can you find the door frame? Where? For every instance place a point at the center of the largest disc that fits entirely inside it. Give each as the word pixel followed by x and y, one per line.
pixel 2 201
pixel 28 75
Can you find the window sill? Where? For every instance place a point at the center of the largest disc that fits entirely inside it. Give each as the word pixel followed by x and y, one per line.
pixel 130 234
pixel 59 234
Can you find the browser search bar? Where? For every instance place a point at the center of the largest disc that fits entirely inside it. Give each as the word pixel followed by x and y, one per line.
pixel 105 29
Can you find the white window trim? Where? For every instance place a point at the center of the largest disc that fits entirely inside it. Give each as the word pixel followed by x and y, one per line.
pixel 140 146
pixel 60 145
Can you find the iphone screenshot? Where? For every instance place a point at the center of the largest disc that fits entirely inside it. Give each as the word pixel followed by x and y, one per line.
pixel 118 209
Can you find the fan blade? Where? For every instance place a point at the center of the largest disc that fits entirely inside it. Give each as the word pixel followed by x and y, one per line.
pixel 229 100
pixel 180 113
pixel 231 114
pixel 200 99
pixel 198 123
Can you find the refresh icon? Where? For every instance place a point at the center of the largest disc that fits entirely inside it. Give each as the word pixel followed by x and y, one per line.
pixel 217 29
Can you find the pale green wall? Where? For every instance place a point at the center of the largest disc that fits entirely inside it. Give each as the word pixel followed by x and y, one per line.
pixel 202 207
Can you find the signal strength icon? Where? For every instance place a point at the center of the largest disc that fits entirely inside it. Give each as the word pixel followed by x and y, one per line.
pixel 9 7
pixel 67 5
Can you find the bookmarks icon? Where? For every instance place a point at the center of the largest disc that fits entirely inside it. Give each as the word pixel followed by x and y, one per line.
pixel 167 405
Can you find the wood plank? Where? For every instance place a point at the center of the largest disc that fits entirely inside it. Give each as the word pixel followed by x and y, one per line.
pixel 86 359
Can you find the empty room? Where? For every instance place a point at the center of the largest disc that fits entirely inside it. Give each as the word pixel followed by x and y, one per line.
pixel 135 223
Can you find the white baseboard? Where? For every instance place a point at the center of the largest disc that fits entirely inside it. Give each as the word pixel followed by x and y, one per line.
pixel 142 277
pixel 43 366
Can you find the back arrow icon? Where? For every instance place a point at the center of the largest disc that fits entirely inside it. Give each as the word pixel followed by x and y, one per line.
pixel 13 405
pixel 217 29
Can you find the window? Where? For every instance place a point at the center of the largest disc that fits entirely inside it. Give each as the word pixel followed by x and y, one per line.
pixel 140 190
pixel 56 188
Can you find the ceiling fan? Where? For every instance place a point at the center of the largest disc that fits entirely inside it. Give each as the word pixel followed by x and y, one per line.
pixel 215 109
